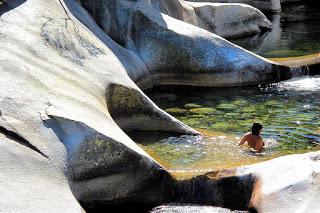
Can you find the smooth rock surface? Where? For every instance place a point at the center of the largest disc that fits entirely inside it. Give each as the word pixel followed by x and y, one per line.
pixel 264 5
pixel 55 99
pixel 176 208
pixel 30 183
pixel 287 184
pixel 179 53
pixel 226 20
pixel 68 93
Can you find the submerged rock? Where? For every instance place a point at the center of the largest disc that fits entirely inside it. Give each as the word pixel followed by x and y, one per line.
pixel 203 111
pixel 176 111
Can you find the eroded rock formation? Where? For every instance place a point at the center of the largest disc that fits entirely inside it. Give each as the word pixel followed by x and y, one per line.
pixel 117 19
pixel 172 49
pixel 69 90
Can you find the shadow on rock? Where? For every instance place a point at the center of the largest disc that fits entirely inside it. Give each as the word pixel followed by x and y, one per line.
pixel 7 5
pixel 222 189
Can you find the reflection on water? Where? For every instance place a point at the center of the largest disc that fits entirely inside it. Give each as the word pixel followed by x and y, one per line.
pixel 289 112
pixel 296 32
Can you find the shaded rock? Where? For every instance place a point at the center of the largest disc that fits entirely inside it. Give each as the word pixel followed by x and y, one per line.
pixel 289 30
pixel 222 188
pixel 101 170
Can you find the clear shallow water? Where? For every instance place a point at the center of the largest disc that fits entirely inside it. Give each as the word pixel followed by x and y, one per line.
pixel 289 111
pixel 296 32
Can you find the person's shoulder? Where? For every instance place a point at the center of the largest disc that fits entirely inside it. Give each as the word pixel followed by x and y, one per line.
pixel 247 134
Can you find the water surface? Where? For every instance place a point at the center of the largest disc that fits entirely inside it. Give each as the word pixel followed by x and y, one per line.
pixel 296 32
pixel 288 110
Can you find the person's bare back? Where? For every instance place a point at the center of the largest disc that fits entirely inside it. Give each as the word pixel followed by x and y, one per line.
pixel 253 138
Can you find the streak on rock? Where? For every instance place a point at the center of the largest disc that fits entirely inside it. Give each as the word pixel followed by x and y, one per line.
pixel 18 138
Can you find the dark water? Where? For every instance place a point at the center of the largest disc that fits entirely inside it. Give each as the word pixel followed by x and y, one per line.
pixel 289 112
pixel 296 32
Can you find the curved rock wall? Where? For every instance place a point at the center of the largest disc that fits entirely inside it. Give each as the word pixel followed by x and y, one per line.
pixel 53 95
pixel 68 91
pixel 226 20
pixel 175 51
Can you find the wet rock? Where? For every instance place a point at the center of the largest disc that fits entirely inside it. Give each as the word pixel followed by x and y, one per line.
pixel 223 189
pixel 304 65
pixel 180 208
pixel 176 111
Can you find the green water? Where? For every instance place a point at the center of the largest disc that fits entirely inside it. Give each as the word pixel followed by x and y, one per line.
pixel 289 112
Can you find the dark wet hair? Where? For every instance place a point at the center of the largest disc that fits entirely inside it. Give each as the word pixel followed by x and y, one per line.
pixel 256 128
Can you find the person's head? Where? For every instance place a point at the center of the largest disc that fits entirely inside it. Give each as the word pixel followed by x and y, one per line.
pixel 256 128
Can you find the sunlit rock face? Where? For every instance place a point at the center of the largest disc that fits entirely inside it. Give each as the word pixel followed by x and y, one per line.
pixel 68 93
pixel 264 5
pixel 59 87
pixel 290 183
pixel 226 20
pixel 176 208
pixel 172 49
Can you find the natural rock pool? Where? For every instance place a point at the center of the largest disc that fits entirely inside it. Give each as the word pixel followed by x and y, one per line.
pixel 288 110
pixel 295 32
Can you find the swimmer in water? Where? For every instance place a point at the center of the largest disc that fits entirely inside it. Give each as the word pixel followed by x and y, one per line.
pixel 253 138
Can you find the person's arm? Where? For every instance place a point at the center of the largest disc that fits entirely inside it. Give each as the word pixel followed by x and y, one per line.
pixel 244 139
